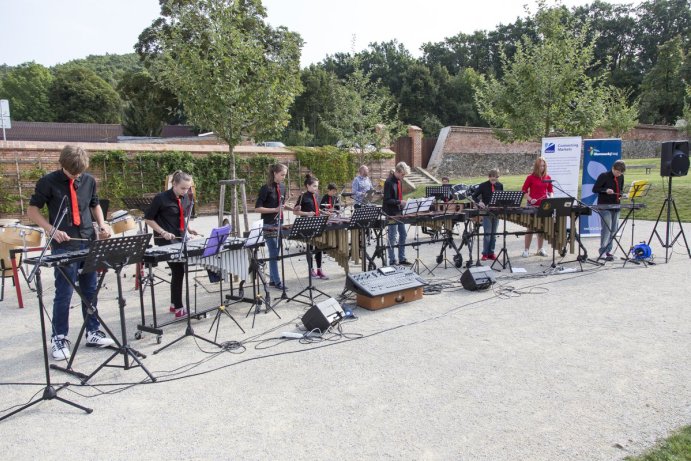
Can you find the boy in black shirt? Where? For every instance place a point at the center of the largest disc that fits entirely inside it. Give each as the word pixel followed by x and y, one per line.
pixel 490 223
pixel 608 187
pixel 392 206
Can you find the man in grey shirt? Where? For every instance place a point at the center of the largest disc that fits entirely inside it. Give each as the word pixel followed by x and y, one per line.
pixel 361 184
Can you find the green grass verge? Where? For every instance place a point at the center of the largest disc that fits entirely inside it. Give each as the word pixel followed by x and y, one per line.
pixel 676 447
pixel 681 188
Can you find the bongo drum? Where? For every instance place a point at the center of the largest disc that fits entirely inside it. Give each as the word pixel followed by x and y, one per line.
pixel 121 222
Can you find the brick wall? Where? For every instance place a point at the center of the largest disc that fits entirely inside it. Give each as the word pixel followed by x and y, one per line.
pixel 22 159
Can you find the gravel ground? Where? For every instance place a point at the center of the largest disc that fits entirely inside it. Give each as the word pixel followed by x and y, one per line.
pixel 588 365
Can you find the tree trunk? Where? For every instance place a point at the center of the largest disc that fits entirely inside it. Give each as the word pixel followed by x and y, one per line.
pixel 234 194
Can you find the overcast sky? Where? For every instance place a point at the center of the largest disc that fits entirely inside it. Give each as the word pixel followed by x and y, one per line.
pixel 56 31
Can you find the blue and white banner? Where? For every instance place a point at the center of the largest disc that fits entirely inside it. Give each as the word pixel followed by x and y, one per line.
pixel 598 157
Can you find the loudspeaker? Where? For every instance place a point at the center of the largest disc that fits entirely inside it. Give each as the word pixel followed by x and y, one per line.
pixel 477 278
pixel 674 158
pixel 323 315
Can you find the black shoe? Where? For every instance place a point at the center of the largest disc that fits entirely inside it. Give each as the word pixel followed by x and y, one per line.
pixel 609 257
pixel 278 286
pixel 404 262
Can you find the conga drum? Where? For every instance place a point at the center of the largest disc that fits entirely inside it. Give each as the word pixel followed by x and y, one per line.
pixel 121 221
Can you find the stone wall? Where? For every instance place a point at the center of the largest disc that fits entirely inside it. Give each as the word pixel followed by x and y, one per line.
pixel 470 151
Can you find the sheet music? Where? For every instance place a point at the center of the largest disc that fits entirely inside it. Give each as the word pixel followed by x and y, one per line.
pixel 417 205
pixel 256 236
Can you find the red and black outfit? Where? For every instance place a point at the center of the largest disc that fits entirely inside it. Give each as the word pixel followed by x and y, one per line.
pixel 170 211
pixel 329 202
pixel 308 202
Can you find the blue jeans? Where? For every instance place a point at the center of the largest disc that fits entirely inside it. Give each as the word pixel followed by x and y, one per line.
pixel 610 222
pixel 86 282
pixel 272 246
pixel 397 228
pixel 490 224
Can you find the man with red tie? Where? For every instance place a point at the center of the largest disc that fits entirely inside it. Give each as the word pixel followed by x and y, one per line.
pixel 490 222
pixel 166 216
pixel 392 206
pixel 71 189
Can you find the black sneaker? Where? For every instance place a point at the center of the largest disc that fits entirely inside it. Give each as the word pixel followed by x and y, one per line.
pixel 609 257
pixel 404 262
pixel 278 286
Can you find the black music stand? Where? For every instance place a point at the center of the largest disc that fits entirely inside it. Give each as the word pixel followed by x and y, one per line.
pixel 448 241
pixel 418 206
pixel 307 228
pixel 555 207
pixel 440 193
pixel 255 239
pixel 504 199
pixel 137 203
pixel 114 253
pixel 49 391
pixel 364 218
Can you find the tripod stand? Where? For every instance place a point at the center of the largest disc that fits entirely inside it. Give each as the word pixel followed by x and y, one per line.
pixel 114 253
pixel 557 208
pixel 414 207
pixel 504 199
pixel 49 392
pixel 307 228
pixel 635 190
pixel 669 204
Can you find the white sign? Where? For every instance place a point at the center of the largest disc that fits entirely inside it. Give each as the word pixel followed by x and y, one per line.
pixel 5 114
pixel 563 156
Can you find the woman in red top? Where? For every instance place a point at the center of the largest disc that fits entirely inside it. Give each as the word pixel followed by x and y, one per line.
pixel 536 189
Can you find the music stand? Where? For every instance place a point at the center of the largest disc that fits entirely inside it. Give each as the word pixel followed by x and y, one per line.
pixel 255 239
pixel 504 199
pixel 440 193
pixel 363 218
pixel 414 206
pixel 555 207
pixel 137 203
pixel 212 247
pixel 307 228
pixel 114 253
pixel 637 189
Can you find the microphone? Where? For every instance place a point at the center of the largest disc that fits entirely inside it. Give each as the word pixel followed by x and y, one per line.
pixel 548 181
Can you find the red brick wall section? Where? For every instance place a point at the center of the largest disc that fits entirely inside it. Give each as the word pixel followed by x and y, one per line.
pixel 415 133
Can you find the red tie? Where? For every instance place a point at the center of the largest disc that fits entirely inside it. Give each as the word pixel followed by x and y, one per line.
pixel 278 194
pixel 616 185
pixel 76 219
pixel 492 187
pixel 330 204
pixel 400 195
pixel 182 215
pixel 316 207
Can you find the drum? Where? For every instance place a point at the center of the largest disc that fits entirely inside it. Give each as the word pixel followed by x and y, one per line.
pixel 16 234
pixel 121 222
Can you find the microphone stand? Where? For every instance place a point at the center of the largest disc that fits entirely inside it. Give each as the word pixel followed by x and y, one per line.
pixel 49 392
pixel 189 331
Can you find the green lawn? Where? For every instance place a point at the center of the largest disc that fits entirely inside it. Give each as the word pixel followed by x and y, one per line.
pixel 681 188
pixel 676 447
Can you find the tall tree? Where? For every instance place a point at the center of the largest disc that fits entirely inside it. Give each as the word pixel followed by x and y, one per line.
pixel 79 95
pixel 620 116
pixel 26 87
pixel 233 73
pixel 662 98
pixel 148 106
pixel 361 106
pixel 545 88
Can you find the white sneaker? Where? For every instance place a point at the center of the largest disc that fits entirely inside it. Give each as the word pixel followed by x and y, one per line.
pixel 61 347
pixel 98 339
pixel 525 254
pixel 541 252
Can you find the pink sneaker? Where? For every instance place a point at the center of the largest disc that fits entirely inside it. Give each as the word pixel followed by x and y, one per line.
pixel 172 308
pixel 322 275
pixel 180 313
pixel 315 274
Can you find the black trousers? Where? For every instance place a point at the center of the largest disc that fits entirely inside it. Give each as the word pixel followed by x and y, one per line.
pixel 177 277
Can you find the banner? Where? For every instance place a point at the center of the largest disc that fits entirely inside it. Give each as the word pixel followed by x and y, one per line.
pixel 598 157
pixel 563 156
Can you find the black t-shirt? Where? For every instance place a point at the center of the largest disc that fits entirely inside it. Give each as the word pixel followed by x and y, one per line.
pixel 392 204
pixel 329 202
pixel 306 201
pixel 51 189
pixel 165 211
pixel 484 191
pixel 606 181
pixel 268 198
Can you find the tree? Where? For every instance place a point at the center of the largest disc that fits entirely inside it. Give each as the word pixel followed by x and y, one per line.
pixel 620 116
pixel 233 73
pixel 148 106
pixel 360 107
pixel 78 95
pixel 545 87
pixel 418 94
pixel 26 87
pixel 662 98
